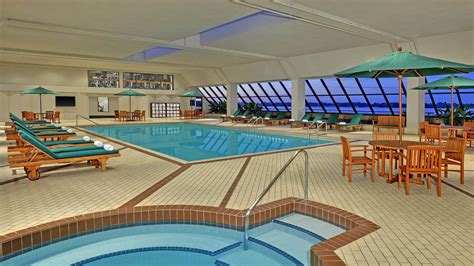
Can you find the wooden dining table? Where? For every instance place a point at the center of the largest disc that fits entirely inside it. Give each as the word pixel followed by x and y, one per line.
pixel 393 147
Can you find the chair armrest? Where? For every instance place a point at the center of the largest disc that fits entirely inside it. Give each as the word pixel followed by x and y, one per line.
pixel 359 146
pixel 364 150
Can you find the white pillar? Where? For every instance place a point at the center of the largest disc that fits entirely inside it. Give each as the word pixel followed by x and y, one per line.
pixel 232 98
pixel 297 98
pixel 415 105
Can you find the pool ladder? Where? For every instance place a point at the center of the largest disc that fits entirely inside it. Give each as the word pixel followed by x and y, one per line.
pixel 319 125
pixel 253 122
pixel 267 188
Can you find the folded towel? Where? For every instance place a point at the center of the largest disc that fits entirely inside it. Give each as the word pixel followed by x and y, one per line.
pixel 243 116
pixel 98 143
pixel 108 147
pixel 319 121
pixel 86 138
pixel 232 116
pixel 254 117
pixel 304 120
pixel 223 115
pixel 267 118
pixel 70 130
pixel 57 125
pixel 291 120
pixel 63 128
pixel 342 123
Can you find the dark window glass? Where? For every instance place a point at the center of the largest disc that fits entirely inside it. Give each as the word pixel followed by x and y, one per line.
pixel 318 87
pixel 370 86
pixel 344 104
pixel 360 104
pixel 333 86
pixel 379 104
pixel 351 86
pixel 328 104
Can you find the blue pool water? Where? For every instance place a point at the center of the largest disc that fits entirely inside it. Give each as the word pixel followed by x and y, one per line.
pixel 191 142
pixel 275 243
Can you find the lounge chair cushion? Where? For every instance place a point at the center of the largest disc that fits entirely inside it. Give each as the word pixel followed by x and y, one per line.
pixel 74 154
pixel 52 133
pixel 66 142
pixel 35 142
pixel 75 148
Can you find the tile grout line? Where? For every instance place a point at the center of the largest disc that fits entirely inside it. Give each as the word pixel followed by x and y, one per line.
pixel 155 187
pixel 232 187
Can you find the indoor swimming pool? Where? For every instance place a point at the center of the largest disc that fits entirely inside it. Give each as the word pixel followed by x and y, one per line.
pixel 193 142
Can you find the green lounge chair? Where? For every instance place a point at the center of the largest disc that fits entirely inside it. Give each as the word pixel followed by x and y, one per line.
pixel 59 135
pixel 242 116
pixel 300 121
pixel 331 120
pixel 236 113
pixel 317 117
pixel 353 124
pixel 32 122
pixel 280 118
pixel 45 156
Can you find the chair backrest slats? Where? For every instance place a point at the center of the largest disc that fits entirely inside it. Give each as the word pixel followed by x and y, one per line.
pixel 346 147
pixel 433 133
pixel 385 135
pixel 424 159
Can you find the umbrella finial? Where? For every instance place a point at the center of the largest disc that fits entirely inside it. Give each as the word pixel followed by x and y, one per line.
pixel 399 48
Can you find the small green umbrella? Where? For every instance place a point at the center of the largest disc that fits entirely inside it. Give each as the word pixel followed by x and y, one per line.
pixel 404 64
pixel 130 93
pixel 38 90
pixel 192 94
pixel 450 83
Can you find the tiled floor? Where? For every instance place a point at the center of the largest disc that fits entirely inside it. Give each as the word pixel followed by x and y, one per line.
pixel 418 229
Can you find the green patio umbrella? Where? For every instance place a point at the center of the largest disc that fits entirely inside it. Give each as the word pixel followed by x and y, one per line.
pixel 130 93
pixel 404 64
pixel 192 94
pixel 38 90
pixel 448 83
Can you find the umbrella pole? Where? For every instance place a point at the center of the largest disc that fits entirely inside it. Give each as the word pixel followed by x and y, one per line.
pixel 41 106
pixel 400 107
pixel 452 106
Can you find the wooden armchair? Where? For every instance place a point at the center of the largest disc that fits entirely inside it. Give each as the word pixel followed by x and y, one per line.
pixel 49 115
pixel 123 115
pixel 136 115
pixel 468 132
pixel 116 115
pixel 422 130
pixel 433 134
pixel 56 117
pixel 28 116
pixel 421 160
pixel 387 121
pixel 454 155
pixel 350 160
pixel 382 154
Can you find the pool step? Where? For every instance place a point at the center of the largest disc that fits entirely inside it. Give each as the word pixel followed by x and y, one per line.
pixel 294 234
pixel 257 254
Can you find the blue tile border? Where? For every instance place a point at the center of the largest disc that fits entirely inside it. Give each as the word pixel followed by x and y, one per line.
pixel 277 250
pixel 221 263
pixel 165 248
pixel 301 229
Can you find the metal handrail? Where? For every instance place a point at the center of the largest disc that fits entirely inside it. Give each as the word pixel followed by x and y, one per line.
pixel 274 179
pixel 253 122
pixel 85 119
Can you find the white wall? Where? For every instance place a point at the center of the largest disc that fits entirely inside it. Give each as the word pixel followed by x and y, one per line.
pixel 68 82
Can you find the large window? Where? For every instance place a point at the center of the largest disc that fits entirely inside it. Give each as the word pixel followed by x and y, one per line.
pixel 339 95
pixel 436 100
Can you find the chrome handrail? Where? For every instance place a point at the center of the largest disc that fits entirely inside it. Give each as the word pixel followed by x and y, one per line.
pixel 253 122
pixel 85 119
pixel 267 188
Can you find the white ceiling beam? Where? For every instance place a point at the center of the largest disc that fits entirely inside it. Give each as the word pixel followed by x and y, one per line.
pixel 319 18
pixel 31 25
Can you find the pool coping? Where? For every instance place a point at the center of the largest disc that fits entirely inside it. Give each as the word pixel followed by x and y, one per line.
pixel 323 253
pixel 184 162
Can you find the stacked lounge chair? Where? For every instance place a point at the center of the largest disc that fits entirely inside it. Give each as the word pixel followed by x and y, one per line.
pixel 296 122
pixel 41 154
pixel 312 120
pixel 352 125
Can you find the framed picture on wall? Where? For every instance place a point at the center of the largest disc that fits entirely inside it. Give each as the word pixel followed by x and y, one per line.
pixel 103 104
